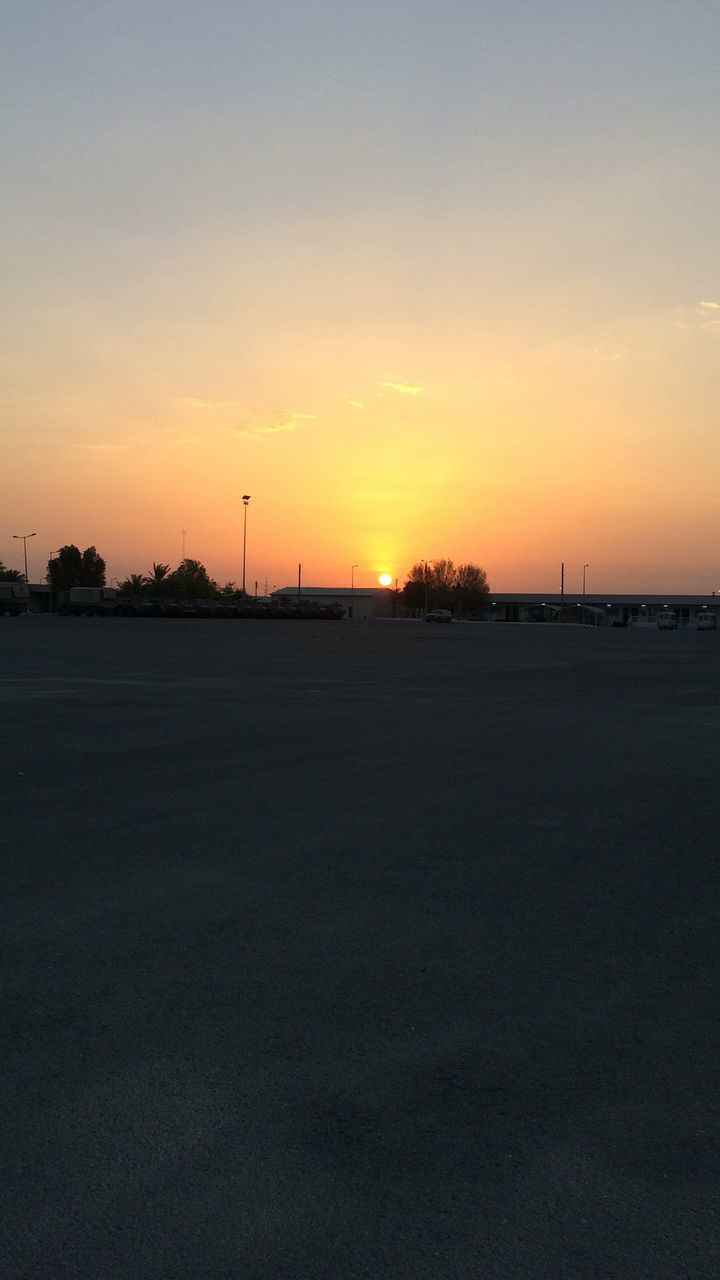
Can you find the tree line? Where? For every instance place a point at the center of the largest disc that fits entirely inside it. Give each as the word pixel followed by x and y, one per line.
pixel 439 584
pixel 430 584
pixel 189 581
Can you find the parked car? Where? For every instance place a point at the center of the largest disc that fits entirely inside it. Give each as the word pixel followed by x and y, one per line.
pixel 438 615
pixel 706 621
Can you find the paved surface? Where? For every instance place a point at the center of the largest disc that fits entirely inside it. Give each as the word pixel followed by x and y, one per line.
pixel 358 950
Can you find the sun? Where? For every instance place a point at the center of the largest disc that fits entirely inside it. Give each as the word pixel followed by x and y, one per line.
pixel 385 579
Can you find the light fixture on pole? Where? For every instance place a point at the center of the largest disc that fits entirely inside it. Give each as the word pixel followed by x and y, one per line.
pixel 23 537
pixel 353 567
pixel 585 566
pixel 246 501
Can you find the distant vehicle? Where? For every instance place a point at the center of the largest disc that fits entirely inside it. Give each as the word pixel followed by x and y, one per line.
pixel 667 620
pixel 88 602
pixel 706 621
pixel 438 615
pixel 14 598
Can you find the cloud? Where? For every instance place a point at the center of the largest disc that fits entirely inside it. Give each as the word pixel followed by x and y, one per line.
pixel 404 388
pixel 185 439
pixel 711 306
pixel 356 404
pixel 101 448
pixel 289 424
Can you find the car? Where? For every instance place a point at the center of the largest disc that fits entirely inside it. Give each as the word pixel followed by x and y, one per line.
pixel 438 615
pixel 706 621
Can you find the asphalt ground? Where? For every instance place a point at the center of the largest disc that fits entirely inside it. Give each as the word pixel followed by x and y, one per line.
pixel 338 950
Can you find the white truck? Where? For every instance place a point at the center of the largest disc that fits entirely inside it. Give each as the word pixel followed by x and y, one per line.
pixel 667 620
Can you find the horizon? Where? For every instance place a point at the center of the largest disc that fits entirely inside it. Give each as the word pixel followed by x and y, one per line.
pixel 428 281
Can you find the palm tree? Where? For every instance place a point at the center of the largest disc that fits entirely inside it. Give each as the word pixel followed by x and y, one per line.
pixel 134 585
pixel 10 575
pixel 158 579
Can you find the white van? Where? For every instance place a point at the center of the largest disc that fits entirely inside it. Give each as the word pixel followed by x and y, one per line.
pixel 667 620
pixel 706 621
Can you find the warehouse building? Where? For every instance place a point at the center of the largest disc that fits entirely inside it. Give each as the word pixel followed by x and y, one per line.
pixel 357 602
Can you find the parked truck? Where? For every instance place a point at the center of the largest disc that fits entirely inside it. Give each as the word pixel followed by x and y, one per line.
pixel 14 598
pixel 88 602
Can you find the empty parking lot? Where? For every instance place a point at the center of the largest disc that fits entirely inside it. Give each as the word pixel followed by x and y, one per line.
pixel 356 950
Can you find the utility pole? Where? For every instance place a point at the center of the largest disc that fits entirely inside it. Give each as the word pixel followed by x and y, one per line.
pixel 352 589
pixel 299 581
pixel 562 589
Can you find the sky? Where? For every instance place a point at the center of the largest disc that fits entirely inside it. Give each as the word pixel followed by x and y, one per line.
pixel 425 278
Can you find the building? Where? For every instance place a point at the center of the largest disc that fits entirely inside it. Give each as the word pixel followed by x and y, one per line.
pixel 631 610
pixel 357 602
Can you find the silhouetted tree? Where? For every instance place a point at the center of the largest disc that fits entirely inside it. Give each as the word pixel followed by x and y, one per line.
pixel 63 571
pixel 10 575
pixel 92 569
pixel 73 568
pixel 441 584
pixel 438 584
pixel 134 585
pixel 158 579
pixel 413 593
pixel 472 591
pixel 190 581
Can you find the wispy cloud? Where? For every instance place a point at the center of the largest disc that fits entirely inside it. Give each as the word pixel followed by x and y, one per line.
pixel 356 404
pixel 275 428
pixel 101 448
pixel 711 306
pixel 186 439
pixel 404 388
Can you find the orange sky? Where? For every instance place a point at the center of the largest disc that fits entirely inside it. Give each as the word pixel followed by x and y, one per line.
pixel 416 306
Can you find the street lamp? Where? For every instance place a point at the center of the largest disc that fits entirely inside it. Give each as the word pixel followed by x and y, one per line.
pixel 353 567
pixel 23 537
pixel 585 566
pixel 246 501
pixel 49 578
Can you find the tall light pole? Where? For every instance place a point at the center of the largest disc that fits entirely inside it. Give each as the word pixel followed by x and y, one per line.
pixel 353 567
pixel 23 537
pixel 52 556
pixel 585 566
pixel 246 501
pixel 425 581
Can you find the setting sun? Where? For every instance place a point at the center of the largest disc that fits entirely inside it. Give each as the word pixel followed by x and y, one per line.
pixel 385 580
